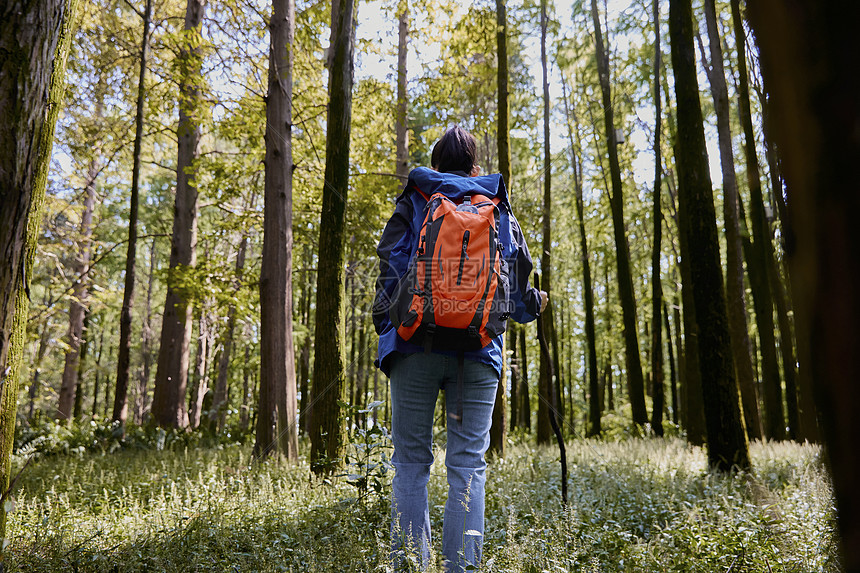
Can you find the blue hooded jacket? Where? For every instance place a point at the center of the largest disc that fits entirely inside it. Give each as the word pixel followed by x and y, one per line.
pixel 399 242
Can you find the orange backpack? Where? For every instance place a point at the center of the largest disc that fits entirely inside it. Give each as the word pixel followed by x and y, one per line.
pixel 454 295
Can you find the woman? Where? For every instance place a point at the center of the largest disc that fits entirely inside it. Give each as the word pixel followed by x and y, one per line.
pixel 417 373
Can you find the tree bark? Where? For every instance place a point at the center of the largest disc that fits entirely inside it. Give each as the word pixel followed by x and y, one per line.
pixel 124 350
pixel 657 215
pixel 635 381
pixel 78 305
pixel 545 385
pixel 218 413
pixel 515 378
pixel 806 48
pixel 200 378
pixel 400 126
pixel 276 411
pixel 327 386
pixel 140 404
pixel 77 410
pixel 673 377
pixel 37 368
pixel 525 406
pixel 595 403
pixel 735 289
pixel 34 43
pixel 726 436
pixel 171 374
pixel 305 357
pixel 498 430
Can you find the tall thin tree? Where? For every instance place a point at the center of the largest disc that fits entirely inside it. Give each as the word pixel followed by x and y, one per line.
pixel 635 381
pixel 735 288
pixel 595 406
pixel 80 291
pixel 171 374
pixel 277 408
pixel 726 436
pixel 499 430
pixel 124 350
pixel 400 128
pixel 545 384
pixel 657 215
pixel 327 385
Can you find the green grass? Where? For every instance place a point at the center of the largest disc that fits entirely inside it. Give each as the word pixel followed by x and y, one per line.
pixel 636 505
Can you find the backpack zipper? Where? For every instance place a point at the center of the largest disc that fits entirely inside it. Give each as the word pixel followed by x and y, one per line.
pixel 463 256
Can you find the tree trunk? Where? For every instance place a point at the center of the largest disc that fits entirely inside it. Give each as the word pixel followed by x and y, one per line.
pixel 400 126
pixel 805 53
pixel 515 378
pixel 244 409
pixel 79 375
pixel 499 423
pixel 635 381
pixel 656 284
pixel 545 385
pixel 735 289
pixel 124 351
pixel 525 406
pixel 276 411
pixel 171 374
pixel 34 42
pixel 673 377
pixel 786 342
pixel 140 404
pixel 78 306
pixel 37 368
pixel 219 402
pixel 97 376
pixel 305 358
pixel 726 436
pixel 200 379
pixel 594 403
pixel 327 386
pixel 498 430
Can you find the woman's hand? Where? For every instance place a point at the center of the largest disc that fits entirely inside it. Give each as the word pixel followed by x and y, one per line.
pixel 544 299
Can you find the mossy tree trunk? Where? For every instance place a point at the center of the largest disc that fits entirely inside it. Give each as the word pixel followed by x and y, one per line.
pixel 34 42
pixel 327 387
pixel 726 435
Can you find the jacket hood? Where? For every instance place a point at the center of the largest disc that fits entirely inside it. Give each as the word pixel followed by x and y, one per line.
pixel 456 185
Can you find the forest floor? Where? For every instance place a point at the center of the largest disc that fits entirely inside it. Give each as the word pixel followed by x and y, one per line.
pixel 635 505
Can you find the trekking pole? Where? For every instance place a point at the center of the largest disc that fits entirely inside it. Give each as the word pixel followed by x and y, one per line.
pixel 553 410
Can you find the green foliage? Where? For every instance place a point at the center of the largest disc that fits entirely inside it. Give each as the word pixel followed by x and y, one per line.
pixel 367 456
pixel 46 438
pixel 635 506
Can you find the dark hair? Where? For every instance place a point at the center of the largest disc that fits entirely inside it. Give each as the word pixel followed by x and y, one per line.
pixel 455 151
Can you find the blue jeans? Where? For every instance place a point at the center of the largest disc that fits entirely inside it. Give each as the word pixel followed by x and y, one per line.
pixel 415 384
